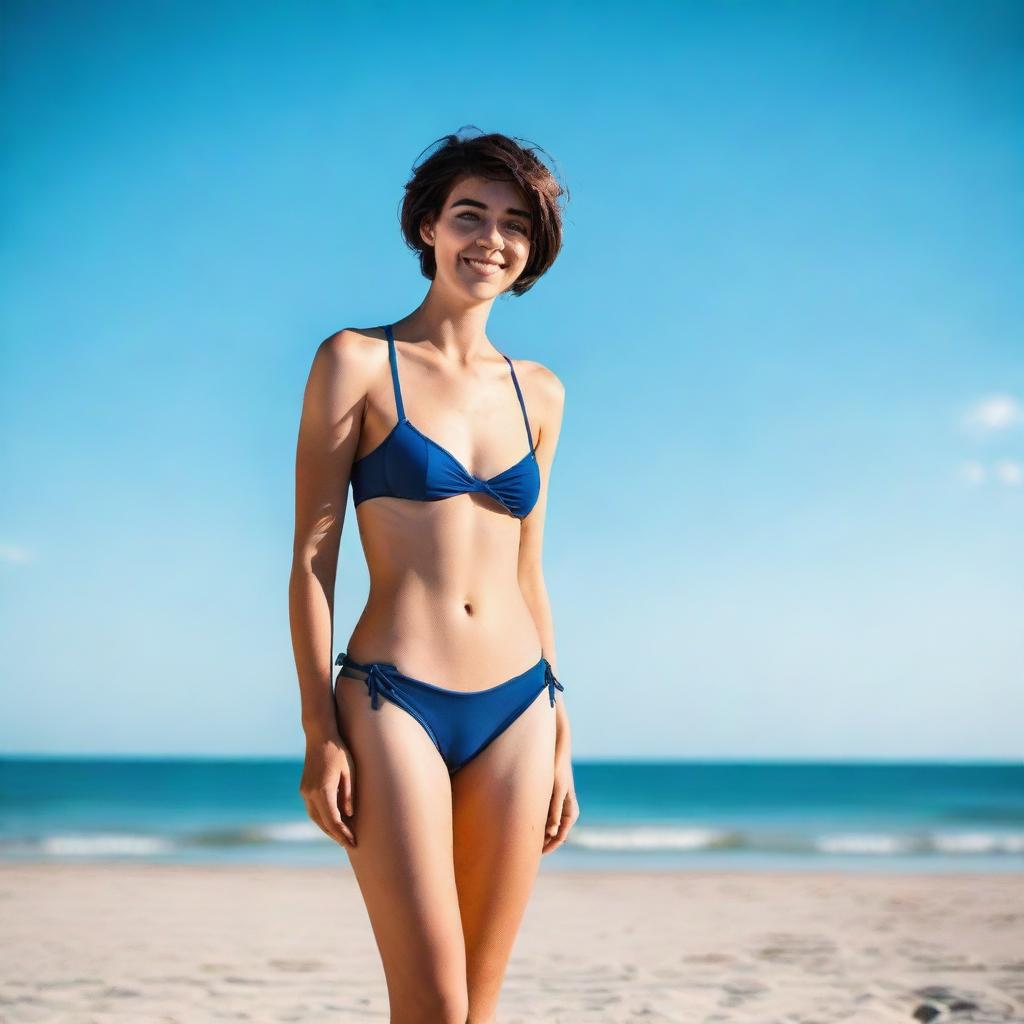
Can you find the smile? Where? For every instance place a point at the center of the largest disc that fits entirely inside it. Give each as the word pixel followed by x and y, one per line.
pixel 483 266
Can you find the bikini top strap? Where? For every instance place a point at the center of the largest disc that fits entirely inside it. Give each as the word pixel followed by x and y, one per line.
pixel 393 358
pixel 522 404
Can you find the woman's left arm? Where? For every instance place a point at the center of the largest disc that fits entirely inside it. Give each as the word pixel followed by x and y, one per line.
pixel 545 385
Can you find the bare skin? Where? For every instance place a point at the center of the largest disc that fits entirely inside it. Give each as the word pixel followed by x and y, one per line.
pixel 445 863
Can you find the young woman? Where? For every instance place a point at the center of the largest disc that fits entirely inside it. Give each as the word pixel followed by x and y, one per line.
pixel 441 761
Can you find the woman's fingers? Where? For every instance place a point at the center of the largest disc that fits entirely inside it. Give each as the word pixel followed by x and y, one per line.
pixel 327 788
pixel 319 809
pixel 314 816
pixel 345 790
pixel 569 812
pixel 327 805
pixel 554 813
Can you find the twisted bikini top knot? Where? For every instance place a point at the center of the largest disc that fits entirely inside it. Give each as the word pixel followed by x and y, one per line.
pixel 408 464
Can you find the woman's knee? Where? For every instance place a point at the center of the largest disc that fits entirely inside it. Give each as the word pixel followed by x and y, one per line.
pixel 441 1002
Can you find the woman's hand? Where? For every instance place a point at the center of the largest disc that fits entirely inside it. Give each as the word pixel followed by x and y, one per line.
pixel 327 787
pixel 563 809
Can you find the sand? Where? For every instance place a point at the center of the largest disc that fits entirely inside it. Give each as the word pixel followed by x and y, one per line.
pixel 151 943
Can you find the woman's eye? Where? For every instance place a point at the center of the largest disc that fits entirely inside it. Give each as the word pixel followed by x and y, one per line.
pixel 521 228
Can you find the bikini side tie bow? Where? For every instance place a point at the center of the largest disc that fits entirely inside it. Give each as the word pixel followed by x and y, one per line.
pixel 377 681
pixel 552 682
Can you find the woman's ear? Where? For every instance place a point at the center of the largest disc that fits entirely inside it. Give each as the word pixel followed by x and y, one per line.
pixel 427 230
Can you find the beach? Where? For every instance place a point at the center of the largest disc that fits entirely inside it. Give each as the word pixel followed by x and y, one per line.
pixel 148 943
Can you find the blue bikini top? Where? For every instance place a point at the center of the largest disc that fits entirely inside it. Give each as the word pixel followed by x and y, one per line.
pixel 408 464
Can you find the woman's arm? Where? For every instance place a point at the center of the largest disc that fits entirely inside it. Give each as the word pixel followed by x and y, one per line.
pixel 563 809
pixel 548 388
pixel 332 412
pixel 329 432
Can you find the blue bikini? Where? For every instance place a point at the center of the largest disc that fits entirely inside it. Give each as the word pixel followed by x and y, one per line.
pixel 460 723
pixel 408 464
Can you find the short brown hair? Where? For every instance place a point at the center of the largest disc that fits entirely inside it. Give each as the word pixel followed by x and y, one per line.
pixel 498 158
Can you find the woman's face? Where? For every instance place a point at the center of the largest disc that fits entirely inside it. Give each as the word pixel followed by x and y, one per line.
pixel 488 223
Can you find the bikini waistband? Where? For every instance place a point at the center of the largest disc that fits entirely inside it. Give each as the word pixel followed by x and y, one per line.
pixel 380 678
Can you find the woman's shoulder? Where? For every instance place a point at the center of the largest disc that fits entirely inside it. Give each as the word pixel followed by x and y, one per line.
pixel 539 379
pixel 351 342
pixel 352 349
pixel 345 366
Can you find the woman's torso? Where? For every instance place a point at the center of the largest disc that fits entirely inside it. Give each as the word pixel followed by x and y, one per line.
pixel 445 603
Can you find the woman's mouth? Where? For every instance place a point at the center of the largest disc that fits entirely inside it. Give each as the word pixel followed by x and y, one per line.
pixel 483 267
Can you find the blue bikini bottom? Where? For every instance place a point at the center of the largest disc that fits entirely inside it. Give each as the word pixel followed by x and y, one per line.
pixel 459 722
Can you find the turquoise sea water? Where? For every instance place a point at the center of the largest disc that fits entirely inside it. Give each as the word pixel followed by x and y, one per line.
pixel 634 815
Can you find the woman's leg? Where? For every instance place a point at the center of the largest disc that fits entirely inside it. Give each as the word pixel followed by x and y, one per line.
pixel 500 804
pixel 403 857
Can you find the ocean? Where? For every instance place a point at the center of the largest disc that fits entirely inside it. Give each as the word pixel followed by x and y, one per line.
pixel 858 816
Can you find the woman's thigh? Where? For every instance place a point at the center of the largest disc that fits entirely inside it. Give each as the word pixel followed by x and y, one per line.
pixel 500 805
pixel 403 859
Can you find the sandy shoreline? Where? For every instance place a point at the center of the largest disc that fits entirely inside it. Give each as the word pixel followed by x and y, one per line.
pixel 152 943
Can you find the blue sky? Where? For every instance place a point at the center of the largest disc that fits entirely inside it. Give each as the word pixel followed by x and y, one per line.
pixel 786 509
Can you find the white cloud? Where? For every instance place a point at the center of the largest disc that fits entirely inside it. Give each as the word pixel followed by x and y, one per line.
pixel 1009 472
pixel 973 473
pixel 14 554
pixel 992 414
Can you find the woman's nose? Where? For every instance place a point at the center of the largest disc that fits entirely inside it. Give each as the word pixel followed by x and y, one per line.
pixel 492 236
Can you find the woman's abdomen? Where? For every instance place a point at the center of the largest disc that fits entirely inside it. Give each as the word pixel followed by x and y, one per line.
pixel 445 604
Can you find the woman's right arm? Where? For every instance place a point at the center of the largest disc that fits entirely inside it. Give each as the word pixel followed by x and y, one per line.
pixel 329 431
